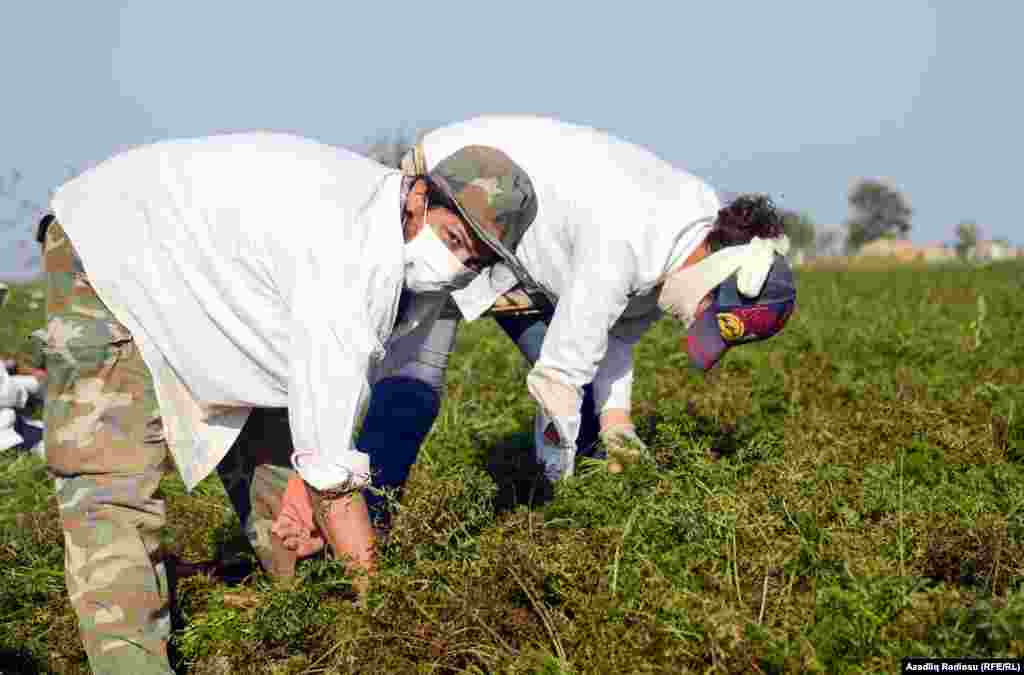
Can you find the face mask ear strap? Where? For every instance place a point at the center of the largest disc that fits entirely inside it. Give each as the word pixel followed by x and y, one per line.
pixel 414 163
pixel 419 158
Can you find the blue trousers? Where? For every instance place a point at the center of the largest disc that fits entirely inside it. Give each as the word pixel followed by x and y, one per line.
pixel 403 408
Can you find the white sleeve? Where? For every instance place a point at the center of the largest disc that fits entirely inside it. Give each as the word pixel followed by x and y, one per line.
pixel 577 338
pixel 613 384
pixel 597 295
pixel 329 362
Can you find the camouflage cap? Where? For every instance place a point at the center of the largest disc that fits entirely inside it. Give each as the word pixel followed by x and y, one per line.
pixel 491 192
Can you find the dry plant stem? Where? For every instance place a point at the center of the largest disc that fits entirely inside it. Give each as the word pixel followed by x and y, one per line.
pixel 902 569
pixel 345 524
pixel 618 549
pixel 545 619
pixel 494 634
pixel 995 567
pixel 736 568
pixel 764 598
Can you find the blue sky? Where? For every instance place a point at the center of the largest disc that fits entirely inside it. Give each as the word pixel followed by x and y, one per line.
pixel 797 99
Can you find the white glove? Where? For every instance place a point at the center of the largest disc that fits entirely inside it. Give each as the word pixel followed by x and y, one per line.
pixel 558 459
pixel 559 405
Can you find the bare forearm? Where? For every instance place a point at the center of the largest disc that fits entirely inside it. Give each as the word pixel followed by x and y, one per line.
pixel 614 417
pixel 345 523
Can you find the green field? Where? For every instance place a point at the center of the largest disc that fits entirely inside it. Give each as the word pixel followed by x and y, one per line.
pixel 837 498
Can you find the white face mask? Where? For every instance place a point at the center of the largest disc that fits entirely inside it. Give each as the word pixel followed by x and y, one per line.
pixel 430 267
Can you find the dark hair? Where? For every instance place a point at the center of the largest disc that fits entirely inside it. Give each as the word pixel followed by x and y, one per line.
pixel 746 217
pixel 44 225
pixel 437 197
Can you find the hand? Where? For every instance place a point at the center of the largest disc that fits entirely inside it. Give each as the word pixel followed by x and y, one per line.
pixel 294 523
pixel 345 523
pixel 623 446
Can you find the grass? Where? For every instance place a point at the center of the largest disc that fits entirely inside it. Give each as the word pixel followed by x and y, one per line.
pixel 840 497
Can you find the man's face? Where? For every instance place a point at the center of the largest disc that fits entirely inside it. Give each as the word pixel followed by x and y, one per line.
pixel 450 229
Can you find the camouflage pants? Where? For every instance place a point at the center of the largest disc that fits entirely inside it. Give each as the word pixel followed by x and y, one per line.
pixel 106 449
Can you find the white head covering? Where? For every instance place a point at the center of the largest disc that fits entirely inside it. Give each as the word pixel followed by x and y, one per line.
pixel 685 288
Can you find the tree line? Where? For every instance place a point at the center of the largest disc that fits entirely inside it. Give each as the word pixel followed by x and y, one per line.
pixel 878 210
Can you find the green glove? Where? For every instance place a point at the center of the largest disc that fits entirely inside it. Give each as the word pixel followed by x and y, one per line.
pixel 623 446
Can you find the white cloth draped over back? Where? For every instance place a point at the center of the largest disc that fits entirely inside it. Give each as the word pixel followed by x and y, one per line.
pixel 612 219
pixel 254 270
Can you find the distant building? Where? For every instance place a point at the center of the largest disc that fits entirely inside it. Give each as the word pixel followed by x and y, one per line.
pixel 937 253
pixel 903 250
pixel 992 250
pixel 830 240
pixel 900 249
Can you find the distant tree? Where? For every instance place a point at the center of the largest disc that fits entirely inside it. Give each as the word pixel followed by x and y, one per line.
pixel 22 208
pixel 827 242
pixel 876 210
pixel 800 229
pixel 20 215
pixel 389 148
pixel 966 238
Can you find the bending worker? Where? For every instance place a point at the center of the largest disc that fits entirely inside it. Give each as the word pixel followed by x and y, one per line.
pixel 197 285
pixel 620 237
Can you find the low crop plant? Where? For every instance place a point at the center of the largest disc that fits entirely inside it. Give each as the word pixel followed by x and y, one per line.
pixel 832 500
